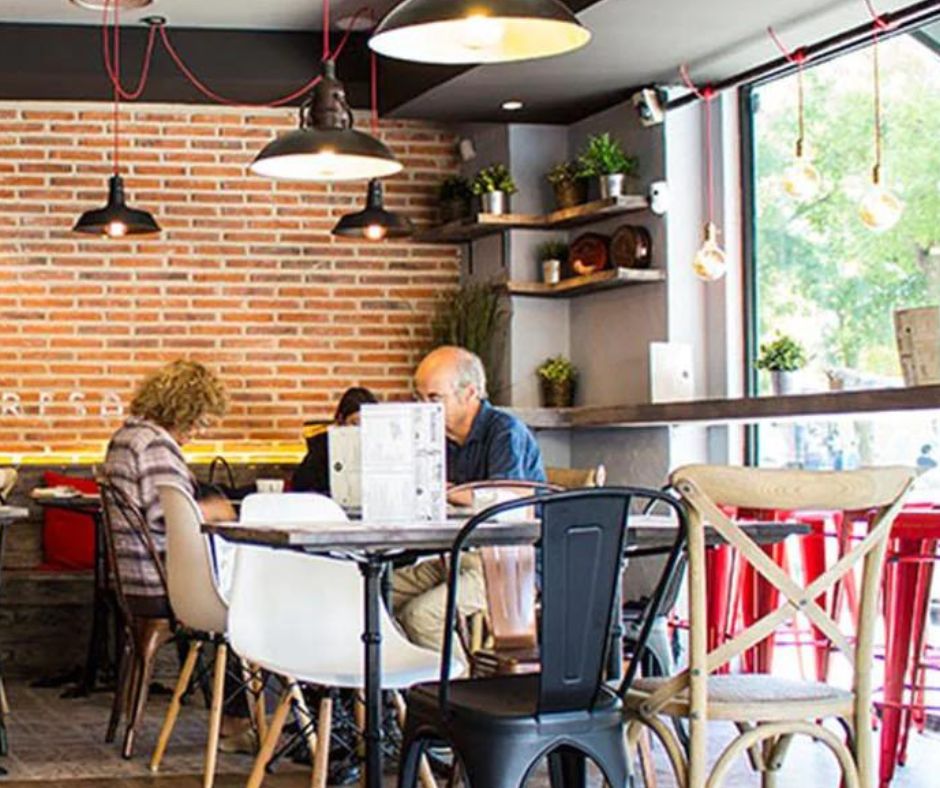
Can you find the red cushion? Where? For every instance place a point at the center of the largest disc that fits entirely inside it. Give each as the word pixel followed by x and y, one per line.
pixel 68 538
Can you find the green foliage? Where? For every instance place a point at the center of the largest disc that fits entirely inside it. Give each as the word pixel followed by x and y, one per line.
pixel 493 179
pixel 455 187
pixel 823 276
pixel 603 155
pixel 552 250
pixel 783 354
pixel 565 172
pixel 469 317
pixel 557 369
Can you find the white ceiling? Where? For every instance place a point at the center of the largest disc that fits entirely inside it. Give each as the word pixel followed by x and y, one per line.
pixel 234 14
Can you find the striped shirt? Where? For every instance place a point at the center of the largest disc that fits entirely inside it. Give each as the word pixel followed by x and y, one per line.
pixel 140 455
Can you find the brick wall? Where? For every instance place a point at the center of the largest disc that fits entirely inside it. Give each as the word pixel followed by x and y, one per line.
pixel 245 276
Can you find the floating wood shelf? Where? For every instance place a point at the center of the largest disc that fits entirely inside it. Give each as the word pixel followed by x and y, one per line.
pixel 579 285
pixel 483 224
pixel 725 411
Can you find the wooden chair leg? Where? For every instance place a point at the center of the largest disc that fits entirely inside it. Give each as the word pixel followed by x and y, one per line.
pixel 150 635
pixel 254 682
pixel 647 765
pixel 425 775
pixel 322 756
pixel 174 709
pixel 4 703
pixel 215 715
pixel 306 721
pixel 270 741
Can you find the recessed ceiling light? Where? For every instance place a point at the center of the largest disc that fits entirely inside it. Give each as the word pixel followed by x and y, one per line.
pixel 512 105
pixel 99 5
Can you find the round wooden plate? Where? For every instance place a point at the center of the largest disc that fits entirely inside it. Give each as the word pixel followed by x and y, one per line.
pixel 630 247
pixel 589 253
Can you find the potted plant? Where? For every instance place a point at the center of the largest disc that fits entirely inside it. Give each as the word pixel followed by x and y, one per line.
pixel 557 376
pixel 552 255
pixel 604 159
pixel 569 185
pixel 782 357
pixel 493 185
pixel 453 199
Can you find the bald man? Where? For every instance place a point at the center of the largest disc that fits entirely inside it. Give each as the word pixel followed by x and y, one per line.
pixel 483 443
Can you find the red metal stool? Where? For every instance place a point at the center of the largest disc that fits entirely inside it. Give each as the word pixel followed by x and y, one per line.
pixel 912 550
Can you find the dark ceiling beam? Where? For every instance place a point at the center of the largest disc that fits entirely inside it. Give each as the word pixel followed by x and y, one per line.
pixel 62 62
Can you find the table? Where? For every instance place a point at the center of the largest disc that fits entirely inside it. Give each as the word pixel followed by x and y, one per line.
pixel 372 544
pixel 8 515
pixel 102 607
pixel 912 548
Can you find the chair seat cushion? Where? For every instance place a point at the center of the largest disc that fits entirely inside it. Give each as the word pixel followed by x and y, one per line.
pixel 498 696
pixel 757 696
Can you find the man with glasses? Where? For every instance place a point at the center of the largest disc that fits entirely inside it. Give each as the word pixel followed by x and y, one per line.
pixel 483 443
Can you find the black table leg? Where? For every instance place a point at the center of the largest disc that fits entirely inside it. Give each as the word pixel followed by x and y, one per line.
pixel 372 639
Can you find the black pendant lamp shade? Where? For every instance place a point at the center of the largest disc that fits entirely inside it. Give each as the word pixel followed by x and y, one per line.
pixel 116 219
pixel 374 223
pixel 326 147
pixel 478 31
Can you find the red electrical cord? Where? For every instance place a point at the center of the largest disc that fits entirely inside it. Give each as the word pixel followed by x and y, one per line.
pixel 706 94
pixel 878 24
pixel 797 58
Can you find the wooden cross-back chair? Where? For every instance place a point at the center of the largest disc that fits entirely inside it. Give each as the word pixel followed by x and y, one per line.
pixel 767 710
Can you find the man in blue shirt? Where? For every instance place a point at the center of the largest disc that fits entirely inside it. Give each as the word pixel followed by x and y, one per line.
pixel 482 443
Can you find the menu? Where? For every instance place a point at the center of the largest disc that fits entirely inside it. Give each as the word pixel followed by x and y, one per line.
pixel 403 462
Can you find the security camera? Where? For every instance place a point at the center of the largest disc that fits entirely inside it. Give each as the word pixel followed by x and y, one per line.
pixel 649 104
pixel 659 197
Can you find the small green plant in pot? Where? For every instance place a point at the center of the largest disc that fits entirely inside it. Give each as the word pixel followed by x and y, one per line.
pixel 603 158
pixel 569 185
pixel 454 199
pixel 552 256
pixel 493 185
pixel 557 376
pixel 782 357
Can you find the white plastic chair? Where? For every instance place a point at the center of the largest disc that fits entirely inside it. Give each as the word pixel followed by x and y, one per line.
pixel 198 605
pixel 301 616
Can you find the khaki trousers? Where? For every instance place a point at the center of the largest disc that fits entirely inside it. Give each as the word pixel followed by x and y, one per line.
pixel 419 597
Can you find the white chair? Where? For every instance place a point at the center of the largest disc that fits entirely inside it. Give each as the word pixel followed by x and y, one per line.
pixel 301 616
pixel 198 606
pixel 7 483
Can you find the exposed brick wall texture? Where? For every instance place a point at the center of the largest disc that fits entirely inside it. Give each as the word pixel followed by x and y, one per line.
pixel 245 277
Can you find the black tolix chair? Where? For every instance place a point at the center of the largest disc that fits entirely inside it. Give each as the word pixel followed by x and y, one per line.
pixel 500 727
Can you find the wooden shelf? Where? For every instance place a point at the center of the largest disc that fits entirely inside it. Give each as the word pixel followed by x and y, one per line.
pixel 726 411
pixel 579 285
pixel 483 224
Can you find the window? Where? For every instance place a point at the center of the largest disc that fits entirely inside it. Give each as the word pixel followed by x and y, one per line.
pixel 819 274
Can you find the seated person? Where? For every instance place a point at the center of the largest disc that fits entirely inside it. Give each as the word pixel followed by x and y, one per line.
pixel 171 407
pixel 313 473
pixel 483 443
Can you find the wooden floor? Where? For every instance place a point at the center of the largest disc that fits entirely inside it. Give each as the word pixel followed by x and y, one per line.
pixel 222 781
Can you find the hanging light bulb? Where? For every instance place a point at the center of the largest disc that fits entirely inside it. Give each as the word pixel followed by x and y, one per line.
pixel 880 209
pixel 801 180
pixel 374 222
pixel 709 263
pixel 478 31
pixel 326 147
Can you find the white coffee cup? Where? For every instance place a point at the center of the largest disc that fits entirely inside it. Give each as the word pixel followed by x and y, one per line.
pixel 270 485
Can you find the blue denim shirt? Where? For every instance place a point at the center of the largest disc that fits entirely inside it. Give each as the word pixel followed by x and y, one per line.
pixel 499 446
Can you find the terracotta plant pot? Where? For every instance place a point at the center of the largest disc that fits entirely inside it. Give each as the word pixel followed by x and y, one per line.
pixel 570 193
pixel 557 393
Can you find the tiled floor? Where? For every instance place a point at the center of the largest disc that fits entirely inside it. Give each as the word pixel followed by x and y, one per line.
pixel 61 742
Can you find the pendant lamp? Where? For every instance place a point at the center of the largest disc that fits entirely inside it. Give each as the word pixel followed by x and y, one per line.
pixel 116 219
pixel 478 31
pixel 374 223
pixel 326 147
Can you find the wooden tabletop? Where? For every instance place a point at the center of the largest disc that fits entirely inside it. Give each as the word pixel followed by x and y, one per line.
pixel 646 531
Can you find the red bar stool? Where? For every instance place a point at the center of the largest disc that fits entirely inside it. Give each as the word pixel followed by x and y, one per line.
pixel 912 550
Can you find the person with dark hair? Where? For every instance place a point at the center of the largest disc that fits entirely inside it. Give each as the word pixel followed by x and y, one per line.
pixel 313 473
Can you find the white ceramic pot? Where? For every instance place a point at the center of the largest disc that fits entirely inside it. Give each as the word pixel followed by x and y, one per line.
pixel 495 202
pixel 551 271
pixel 612 185
pixel 784 382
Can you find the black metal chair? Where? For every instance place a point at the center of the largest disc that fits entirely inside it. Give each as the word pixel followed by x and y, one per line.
pixel 500 727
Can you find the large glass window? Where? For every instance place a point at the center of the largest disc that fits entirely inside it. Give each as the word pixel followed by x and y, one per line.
pixel 820 275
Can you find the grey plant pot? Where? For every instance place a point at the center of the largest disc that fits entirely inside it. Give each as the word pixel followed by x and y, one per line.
pixel 612 185
pixel 784 382
pixel 494 202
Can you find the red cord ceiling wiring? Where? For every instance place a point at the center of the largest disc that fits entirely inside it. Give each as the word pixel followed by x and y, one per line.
pixel 706 94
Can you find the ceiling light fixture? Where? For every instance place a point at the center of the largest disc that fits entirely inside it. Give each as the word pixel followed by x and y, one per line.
pixel 478 31
pixel 326 147
pixel 116 219
pixel 374 223
pixel 512 105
